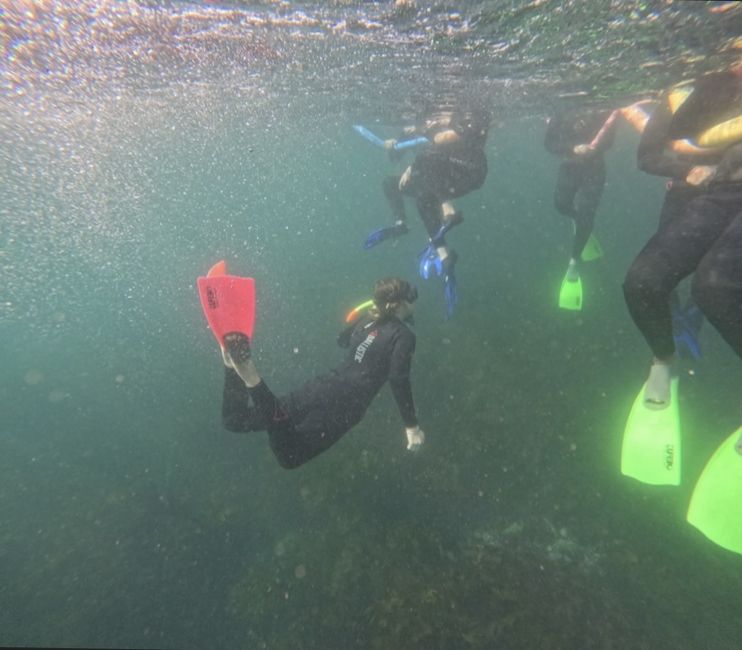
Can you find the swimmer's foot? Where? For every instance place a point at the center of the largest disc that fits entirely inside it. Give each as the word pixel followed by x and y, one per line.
pixel 573 271
pixel 238 353
pixel 657 391
pixel 453 219
pixel 225 357
pixel 237 348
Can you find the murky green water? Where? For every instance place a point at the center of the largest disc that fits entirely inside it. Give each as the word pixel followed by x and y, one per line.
pixel 130 518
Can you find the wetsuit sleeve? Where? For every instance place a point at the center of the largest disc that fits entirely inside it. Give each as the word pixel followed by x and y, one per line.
pixel 399 377
pixel 652 156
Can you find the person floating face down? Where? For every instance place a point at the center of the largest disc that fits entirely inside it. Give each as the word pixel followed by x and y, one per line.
pixel 311 419
pixel 704 239
pixel 580 138
pixel 452 164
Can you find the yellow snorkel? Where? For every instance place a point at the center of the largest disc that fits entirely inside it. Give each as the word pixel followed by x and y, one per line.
pixel 353 313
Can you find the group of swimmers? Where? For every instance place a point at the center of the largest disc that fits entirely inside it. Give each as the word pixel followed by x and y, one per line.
pixel 691 135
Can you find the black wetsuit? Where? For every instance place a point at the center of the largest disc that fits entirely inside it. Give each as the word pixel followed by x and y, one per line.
pixel 310 420
pixel 703 235
pixel 581 178
pixel 653 157
pixel 442 172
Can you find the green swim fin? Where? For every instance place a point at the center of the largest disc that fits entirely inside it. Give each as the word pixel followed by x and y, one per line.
pixel 593 250
pixel 716 503
pixel 570 295
pixel 651 441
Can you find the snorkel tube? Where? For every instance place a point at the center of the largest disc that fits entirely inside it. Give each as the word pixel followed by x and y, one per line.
pixel 398 146
pixel 354 313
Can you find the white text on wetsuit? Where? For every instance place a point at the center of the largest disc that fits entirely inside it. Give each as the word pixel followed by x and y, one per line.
pixel 361 349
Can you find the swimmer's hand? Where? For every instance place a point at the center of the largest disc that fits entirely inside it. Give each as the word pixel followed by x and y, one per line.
pixel 405 179
pixel 700 174
pixel 415 438
pixel 583 149
pixel 390 144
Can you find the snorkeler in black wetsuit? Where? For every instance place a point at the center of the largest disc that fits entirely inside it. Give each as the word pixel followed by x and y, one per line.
pixel 453 164
pixel 580 140
pixel 704 239
pixel 655 156
pixel 308 421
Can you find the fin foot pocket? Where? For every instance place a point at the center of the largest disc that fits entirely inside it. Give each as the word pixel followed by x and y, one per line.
pixel 238 346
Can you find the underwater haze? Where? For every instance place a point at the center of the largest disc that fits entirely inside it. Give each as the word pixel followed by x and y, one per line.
pixel 142 141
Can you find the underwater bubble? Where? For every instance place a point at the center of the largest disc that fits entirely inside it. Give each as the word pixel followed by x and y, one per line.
pixel 33 377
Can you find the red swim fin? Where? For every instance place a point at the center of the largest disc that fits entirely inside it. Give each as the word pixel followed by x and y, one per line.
pixel 220 268
pixel 228 302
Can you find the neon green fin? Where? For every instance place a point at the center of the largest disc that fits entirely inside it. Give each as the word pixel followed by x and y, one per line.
pixel 570 295
pixel 651 442
pixel 716 504
pixel 593 250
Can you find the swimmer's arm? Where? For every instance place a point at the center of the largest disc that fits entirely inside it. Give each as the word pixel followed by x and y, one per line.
pixel 652 156
pixel 449 136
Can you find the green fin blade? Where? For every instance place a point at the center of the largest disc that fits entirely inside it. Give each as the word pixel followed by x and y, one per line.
pixel 651 442
pixel 716 503
pixel 593 250
pixel 570 294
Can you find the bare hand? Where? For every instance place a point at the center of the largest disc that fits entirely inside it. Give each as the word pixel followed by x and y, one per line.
pixel 700 174
pixel 390 144
pixel 583 149
pixel 404 180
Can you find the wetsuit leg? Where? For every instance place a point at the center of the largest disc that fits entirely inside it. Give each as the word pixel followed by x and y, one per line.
pixel 676 200
pixel 437 178
pixel 717 284
pixel 431 212
pixel 568 182
pixel 587 201
pixel 394 197
pixel 237 414
pixel 671 254
pixel 296 433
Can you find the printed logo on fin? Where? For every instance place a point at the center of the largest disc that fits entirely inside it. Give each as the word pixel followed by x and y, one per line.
pixel 211 298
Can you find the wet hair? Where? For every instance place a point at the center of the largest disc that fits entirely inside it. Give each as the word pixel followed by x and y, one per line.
pixel 389 293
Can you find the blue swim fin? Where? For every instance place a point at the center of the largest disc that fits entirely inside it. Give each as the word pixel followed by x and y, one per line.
pixel 430 263
pixel 686 324
pixel 454 220
pixel 451 293
pixel 382 234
